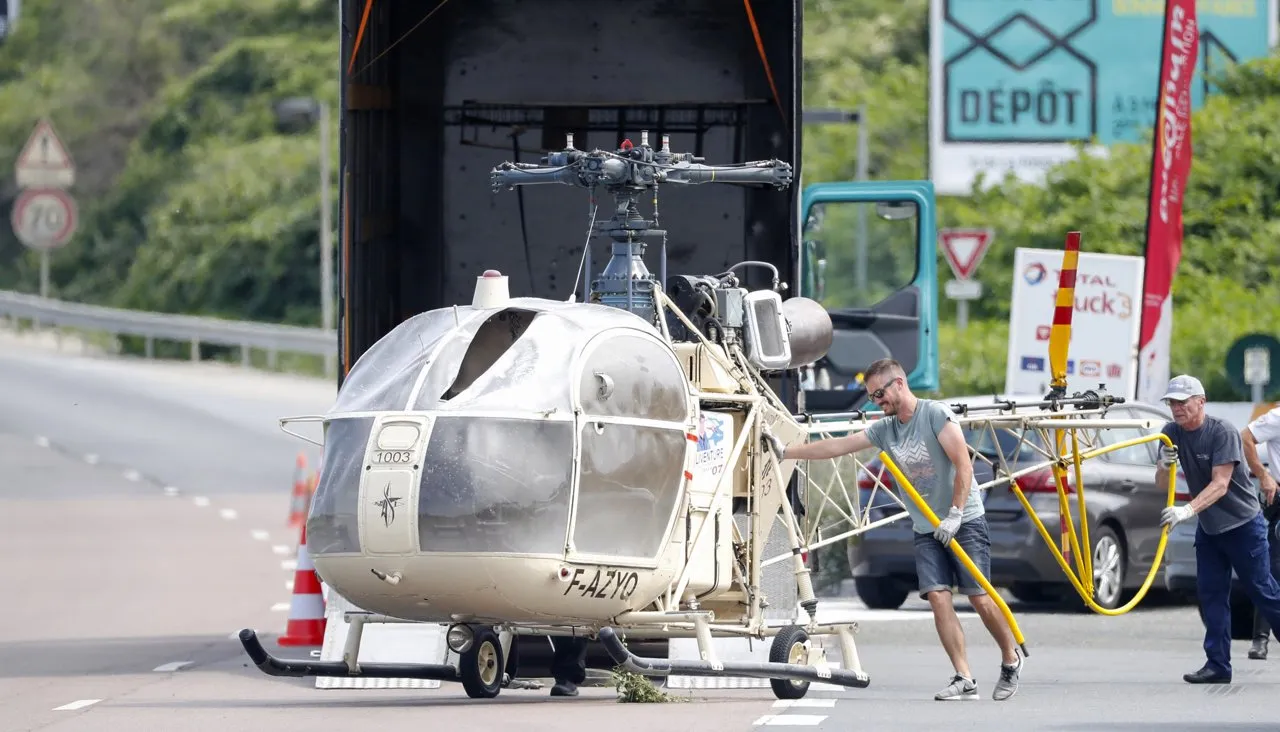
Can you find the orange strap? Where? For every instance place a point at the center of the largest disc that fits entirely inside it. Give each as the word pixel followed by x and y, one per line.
pixel 364 23
pixel 768 72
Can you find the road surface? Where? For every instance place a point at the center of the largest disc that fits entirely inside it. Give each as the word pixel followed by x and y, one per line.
pixel 123 598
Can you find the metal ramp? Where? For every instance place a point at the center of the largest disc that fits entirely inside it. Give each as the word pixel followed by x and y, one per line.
pixel 779 585
pixel 380 643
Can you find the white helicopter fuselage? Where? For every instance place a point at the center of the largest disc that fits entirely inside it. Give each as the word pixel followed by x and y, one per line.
pixel 538 462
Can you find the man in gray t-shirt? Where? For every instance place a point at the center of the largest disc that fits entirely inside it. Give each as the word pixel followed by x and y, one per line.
pixel 1231 533
pixel 924 440
pixel 915 448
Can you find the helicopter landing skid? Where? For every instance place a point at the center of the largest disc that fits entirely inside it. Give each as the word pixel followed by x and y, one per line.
pixel 272 666
pixel 780 673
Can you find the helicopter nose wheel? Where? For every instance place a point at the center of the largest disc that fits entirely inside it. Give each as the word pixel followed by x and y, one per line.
pixel 790 645
pixel 481 665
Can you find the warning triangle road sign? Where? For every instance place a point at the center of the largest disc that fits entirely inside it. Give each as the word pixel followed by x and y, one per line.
pixel 44 161
pixel 964 249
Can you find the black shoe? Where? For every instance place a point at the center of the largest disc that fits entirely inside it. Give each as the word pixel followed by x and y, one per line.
pixel 1258 651
pixel 1207 676
pixel 564 688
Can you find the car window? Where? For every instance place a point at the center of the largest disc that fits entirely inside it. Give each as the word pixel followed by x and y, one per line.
pixel 1143 454
pixel 1007 443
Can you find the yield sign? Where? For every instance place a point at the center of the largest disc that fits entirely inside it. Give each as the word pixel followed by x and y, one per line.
pixel 964 249
pixel 44 161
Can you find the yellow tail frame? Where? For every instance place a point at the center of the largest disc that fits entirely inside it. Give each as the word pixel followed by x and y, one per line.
pixel 1083 558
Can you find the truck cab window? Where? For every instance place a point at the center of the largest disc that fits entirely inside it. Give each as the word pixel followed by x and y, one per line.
pixel 860 252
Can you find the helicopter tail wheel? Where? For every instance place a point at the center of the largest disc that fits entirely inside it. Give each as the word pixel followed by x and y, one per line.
pixel 790 645
pixel 481 666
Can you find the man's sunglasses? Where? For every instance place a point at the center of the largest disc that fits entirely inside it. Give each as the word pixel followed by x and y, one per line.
pixel 879 393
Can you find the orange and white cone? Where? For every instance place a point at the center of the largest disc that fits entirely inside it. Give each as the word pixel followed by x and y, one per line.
pixel 306 610
pixel 300 502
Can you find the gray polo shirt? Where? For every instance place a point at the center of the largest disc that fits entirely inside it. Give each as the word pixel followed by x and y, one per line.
pixel 1215 443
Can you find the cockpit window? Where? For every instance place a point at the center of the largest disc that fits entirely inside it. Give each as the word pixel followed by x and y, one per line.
pixel 498 333
pixel 629 484
pixel 496 485
pixel 332 527
pixel 383 378
pixel 517 365
pixel 631 376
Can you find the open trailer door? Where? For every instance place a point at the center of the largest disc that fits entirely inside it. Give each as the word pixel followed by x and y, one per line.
pixel 869 257
pixel 434 95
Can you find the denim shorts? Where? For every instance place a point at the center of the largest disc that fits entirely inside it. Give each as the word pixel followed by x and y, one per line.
pixel 938 568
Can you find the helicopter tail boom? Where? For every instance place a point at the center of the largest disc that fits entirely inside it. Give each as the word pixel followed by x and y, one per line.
pixel 754 669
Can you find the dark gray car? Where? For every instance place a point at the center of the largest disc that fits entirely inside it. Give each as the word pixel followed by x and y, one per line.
pixel 1122 499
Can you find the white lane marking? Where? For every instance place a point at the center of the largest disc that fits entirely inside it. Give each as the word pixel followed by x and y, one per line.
pixel 289 564
pixel 805 703
pixel 170 490
pixel 91 459
pixel 171 666
pixel 260 535
pixel 280 607
pixel 281 549
pixel 78 704
pixel 790 720
pixel 42 441
pixel 288 585
pixel 132 475
pixel 228 514
pixel 201 501
pixel 844 611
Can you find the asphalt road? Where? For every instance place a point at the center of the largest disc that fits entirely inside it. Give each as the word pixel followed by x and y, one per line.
pixel 122 599
pixel 205 429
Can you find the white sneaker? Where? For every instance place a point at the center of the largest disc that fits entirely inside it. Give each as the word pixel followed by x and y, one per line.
pixel 1007 686
pixel 960 689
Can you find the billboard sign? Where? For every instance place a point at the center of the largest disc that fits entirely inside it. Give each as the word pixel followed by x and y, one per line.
pixel 1104 323
pixel 1015 83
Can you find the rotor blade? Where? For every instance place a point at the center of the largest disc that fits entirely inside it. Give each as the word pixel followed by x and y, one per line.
pixel 1060 333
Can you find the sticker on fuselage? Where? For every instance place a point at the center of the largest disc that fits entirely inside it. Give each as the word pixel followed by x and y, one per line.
pixel 715 434
pixel 608 584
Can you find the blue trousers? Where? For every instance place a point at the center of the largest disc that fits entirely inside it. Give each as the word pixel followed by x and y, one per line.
pixel 1246 550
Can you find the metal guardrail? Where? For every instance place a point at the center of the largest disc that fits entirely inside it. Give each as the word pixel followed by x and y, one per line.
pixel 192 329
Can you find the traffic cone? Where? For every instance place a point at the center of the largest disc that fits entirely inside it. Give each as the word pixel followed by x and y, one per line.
pixel 306 610
pixel 300 502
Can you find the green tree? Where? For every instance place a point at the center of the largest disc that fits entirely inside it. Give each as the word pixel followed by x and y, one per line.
pixel 1228 281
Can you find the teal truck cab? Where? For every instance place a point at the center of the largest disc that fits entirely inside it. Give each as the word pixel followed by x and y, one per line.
pixel 869 255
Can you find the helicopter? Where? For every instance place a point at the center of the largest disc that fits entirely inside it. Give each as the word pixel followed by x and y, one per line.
pixel 524 466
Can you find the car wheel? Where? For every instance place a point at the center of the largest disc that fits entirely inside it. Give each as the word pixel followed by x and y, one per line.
pixel 880 593
pixel 1108 568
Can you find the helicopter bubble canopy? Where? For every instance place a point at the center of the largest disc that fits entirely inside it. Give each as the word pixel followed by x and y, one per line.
pixel 466 422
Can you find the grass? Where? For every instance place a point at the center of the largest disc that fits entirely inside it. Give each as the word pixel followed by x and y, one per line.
pixel 634 688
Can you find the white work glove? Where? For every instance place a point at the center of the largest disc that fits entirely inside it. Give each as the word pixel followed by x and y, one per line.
pixel 1168 456
pixel 1173 514
pixel 774 444
pixel 946 530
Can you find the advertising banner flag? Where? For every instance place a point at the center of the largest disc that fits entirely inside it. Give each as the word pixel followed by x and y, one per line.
pixel 1170 166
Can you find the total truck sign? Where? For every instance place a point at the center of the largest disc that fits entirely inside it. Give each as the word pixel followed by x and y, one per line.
pixel 1104 324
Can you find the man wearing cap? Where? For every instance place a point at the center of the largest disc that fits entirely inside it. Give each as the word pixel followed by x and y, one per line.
pixel 1231 533
pixel 1265 430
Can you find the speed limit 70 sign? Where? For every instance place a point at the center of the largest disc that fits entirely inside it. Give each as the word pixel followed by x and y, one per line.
pixel 44 218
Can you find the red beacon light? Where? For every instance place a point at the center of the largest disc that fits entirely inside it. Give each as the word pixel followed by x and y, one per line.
pixel 491 290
